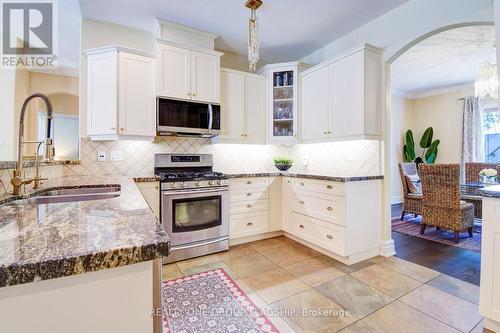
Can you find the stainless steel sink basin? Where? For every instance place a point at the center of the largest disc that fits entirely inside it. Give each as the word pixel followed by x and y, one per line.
pixel 74 195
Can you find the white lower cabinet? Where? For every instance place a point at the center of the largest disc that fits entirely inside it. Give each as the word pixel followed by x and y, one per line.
pixel 340 219
pixel 489 302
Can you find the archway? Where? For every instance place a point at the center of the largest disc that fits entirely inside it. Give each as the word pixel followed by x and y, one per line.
pixel 387 244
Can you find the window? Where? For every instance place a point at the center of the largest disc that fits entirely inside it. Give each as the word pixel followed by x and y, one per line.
pixel 491 125
pixel 65 133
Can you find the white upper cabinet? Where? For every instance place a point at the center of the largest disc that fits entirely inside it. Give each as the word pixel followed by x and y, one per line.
pixel 188 74
pixel 243 107
pixel 120 94
pixel 136 91
pixel 174 72
pixel 341 97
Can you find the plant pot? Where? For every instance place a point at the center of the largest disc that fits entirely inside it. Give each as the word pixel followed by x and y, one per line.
pixel 283 167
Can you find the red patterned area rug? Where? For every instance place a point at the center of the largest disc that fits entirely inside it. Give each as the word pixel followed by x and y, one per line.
pixel 411 226
pixel 210 302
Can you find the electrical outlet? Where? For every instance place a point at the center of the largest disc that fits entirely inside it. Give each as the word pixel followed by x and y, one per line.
pixel 101 156
pixel 116 155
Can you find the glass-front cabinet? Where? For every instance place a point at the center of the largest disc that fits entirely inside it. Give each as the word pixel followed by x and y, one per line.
pixel 283 101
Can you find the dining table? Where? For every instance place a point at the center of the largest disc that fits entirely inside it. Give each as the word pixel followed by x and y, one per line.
pixel 469 193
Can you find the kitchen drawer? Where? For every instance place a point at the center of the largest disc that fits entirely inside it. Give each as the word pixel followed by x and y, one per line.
pixel 320 233
pixel 246 206
pixel 248 194
pixel 249 224
pixel 325 207
pixel 302 185
pixel 249 183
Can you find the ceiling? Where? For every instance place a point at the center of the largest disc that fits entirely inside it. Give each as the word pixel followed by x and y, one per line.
pixel 289 29
pixel 449 58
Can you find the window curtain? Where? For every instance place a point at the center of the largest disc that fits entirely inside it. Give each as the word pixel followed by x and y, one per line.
pixel 472 133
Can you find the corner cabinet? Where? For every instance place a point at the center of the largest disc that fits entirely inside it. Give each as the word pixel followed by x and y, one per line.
pixel 243 107
pixel 283 92
pixel 189 74
pixel 341 97
pixel 120 94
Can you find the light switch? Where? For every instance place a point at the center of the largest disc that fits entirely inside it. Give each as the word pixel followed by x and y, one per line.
pixel 101 156
pixel 116 155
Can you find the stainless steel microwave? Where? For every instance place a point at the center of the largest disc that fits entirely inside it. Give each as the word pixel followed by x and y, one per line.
pixel 185 118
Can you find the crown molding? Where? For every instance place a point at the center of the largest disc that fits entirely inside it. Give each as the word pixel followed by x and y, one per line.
pixel 434 91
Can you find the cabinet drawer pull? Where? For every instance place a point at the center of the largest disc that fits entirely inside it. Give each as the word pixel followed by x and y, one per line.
pixel 329 208
pixel 325 132
pixel 329 236
pixel 301 202
pixel 249 182
pixel 113 128
pixel 329 187
pixel 301 183
pixel 301 226
pixel 189 94
pixel 194 94
pixel 249 206
pixel 249 194
pixel 250 224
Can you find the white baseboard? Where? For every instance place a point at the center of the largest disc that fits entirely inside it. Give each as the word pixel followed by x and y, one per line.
pixel 492 325
pixel 396 199
pixel 387 248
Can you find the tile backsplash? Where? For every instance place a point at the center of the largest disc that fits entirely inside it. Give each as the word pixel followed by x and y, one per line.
pixel 349 158
pixel 46 171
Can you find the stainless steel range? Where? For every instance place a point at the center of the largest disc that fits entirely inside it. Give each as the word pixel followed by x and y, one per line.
pixel 194 205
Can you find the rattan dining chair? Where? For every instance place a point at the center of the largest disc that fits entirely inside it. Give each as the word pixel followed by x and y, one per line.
pixel 412 203
pixel 442 207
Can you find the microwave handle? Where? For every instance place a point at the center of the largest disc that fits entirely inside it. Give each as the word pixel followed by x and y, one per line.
pixel 210 116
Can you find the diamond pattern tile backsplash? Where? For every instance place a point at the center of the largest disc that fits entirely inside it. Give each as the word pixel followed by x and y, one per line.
pixel 47 171
pixel 351 158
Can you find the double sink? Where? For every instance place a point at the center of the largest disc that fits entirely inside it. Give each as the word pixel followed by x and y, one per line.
pixel 73 195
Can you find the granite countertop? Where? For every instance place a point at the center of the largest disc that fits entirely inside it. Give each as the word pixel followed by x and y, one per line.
pixel 489 191
pixel 307 175
pixel 46 241
pixel 31 163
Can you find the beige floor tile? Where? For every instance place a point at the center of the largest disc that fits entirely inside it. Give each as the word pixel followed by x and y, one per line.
pixel 456 287
pixel 271 243
pixel 479 328
pixel 252 264
pixel 359 327
pixel 287 255
pixel 454 311
pixel 275 285
pixel 417 272
pixel 237 251
pixel 387 280
pixel 379 259
pixel 398 317
pixel 209 267
pixel 170 271
pixel 330 320
pixel 314 271
pixel 183 265
pixel 348 269
pixel 354 295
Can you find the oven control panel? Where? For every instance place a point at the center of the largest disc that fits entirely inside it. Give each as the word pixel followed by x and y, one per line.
pixel 194 184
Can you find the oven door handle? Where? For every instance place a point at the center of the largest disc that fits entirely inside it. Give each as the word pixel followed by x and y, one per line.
pixel 171 193
pixel 182 247
pixel 210 116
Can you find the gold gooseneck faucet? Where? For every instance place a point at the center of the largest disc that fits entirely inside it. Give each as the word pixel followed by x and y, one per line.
pixel 17 181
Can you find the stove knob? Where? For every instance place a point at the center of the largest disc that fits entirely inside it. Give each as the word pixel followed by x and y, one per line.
pixel 219 182
pixel 210 182
pixel 183 184
pixel 172 185
pixel 197 183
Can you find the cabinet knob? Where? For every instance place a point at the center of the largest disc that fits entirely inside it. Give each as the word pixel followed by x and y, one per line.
pixel 301 183
pixel 249 194
pixel 121 129
pixel 156 187
pixel 189 94
pixel 329 132
pixel 113 128
pixel 329 187
pixel 325 132
pixel 301 226
pixel 249 182
pixel 301 202
pixel 249 206
pixel 250 224
pixel 242 134
pixel 194 94
pixel 329 208
pixel 329 236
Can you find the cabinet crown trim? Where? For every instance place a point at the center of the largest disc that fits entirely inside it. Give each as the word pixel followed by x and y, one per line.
pixel 282 64
pixel 187 47
pixel 117 48
pixel 361 47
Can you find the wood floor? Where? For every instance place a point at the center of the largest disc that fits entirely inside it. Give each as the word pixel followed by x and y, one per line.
pixel 450 260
